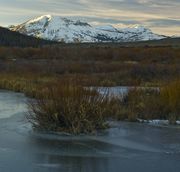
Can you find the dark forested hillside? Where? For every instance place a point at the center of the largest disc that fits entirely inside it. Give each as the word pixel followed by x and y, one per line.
pixel 14 39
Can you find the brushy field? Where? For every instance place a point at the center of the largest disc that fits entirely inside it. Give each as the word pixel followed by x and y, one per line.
pixel 148 104
pixel 57 77
pixel 96 65
pixel 72 108
pixel 65 105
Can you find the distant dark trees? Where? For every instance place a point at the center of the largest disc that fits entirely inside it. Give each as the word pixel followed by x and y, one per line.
pixel 85 53
pixel 106 64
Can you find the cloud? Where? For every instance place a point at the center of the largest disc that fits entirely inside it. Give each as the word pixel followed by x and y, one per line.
pixel 152 13
pixel 164 22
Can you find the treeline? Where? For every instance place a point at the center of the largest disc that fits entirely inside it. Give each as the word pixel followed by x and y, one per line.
pixel 95 53
pixel 15 39
pixel 100 65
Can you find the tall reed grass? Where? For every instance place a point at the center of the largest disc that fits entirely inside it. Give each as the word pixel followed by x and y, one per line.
pixel 163 103
pixel 70 108
pixel 170 99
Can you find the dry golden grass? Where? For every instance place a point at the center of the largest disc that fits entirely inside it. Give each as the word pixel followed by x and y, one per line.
pixel 69 108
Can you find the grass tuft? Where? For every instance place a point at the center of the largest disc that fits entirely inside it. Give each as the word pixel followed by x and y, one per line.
pixel 70 108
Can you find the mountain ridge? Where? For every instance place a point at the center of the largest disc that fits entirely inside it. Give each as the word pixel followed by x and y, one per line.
pixel 61 29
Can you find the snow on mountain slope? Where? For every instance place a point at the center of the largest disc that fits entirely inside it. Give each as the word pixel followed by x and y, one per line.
pixel 63 29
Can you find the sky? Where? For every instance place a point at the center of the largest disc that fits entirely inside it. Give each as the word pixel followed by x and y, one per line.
pixel 161 16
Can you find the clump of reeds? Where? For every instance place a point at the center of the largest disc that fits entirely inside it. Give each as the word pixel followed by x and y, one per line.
pixel 69 108
pixel 170 99
pixel 163 103
pixel 143 104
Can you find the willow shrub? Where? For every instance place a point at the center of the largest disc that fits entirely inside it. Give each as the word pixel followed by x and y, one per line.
pixel 163 103
pixel 70 108
pixel 144 104
pixel 170 99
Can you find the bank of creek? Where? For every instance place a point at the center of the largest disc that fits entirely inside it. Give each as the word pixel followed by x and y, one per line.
pixel 124 147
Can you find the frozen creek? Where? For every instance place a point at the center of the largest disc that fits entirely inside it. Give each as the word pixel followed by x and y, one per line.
pixel 125 147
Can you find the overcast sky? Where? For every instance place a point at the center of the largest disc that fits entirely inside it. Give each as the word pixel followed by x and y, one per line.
pixel 162 16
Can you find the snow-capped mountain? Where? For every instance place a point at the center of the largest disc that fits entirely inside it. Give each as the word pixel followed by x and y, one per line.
pixel 67 30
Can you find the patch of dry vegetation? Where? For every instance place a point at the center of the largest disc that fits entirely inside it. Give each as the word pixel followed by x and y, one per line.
pixel 57 76
pixel 105 65
pixel 69 108
pixel 170 99
pixel 163 103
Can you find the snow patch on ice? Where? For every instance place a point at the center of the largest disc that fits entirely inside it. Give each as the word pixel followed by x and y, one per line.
pixel 157 122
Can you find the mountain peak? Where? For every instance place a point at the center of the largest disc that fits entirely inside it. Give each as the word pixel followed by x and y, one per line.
pixel 38 19
pixel 140 28
pixel 56 20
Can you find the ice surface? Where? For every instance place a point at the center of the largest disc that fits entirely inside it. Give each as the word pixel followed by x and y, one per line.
pixel 11 104
pixel 124 147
